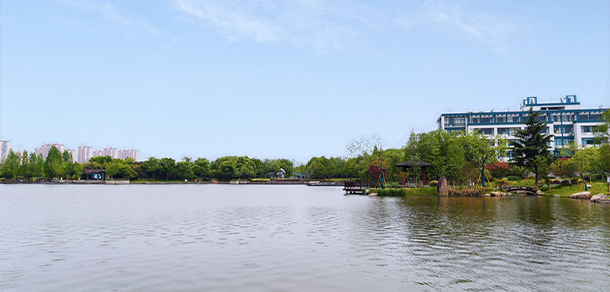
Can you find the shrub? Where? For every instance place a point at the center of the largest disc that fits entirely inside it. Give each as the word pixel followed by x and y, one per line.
pixel 579 181
pixel 574 180
pixel 433 183
pixel 565 182
pixel 498 169
pixel 502 183
pixel 393 184
pixel 556 182
pixel 513 178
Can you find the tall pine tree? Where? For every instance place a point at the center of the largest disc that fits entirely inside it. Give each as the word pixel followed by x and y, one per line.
pixel 532 146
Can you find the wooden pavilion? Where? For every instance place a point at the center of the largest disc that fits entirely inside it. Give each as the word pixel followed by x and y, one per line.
pixel 409 164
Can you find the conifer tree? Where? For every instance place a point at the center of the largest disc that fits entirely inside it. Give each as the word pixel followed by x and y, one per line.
pixel 532 147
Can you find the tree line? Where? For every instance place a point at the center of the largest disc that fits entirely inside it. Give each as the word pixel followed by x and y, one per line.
pixel 58 166
pixel 464 157
pixel 461 157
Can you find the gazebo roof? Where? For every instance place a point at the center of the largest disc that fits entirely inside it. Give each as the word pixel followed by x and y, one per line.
pixel 410 164
pixel 87 171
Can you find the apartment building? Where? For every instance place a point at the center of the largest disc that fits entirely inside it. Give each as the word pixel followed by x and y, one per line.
pixel 565 121
pixel 44 150
pixel 5 147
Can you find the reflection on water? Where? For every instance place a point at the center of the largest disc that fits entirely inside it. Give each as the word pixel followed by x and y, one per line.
pixel 294 238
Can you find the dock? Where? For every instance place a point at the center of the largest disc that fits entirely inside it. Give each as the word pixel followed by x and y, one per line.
pixel 355 187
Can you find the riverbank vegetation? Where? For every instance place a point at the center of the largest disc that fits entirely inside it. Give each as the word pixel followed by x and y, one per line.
pixel 465 159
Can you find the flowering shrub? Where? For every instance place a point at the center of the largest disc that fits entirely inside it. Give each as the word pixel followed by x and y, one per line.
pixel 498 169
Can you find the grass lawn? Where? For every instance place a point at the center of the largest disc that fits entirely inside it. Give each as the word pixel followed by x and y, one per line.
pixel 566 191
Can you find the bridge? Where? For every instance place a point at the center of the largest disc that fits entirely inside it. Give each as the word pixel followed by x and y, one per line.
pixel 527 189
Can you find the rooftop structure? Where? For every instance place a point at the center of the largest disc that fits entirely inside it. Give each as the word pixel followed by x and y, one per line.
pixel 565 121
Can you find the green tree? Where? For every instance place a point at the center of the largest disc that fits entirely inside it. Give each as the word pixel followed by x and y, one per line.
pixel 152 166
pixel 101 159
pixel 168 166
pixel 604 158
pixel 201 168
pixel 439 148
pixel 531 144
pixel 585 161
pixel 93 165
pixel 184 168
pixel 25 166
pixel 36 165
pixel 245 168
pixel 54 166
pixel 112 168
pixel 482 150
pixel 75 170
pixel 602 131
pixel 10 167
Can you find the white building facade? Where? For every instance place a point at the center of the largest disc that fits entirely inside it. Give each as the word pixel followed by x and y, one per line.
pixel 565 121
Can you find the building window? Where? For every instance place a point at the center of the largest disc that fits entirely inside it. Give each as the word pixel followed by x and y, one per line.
pixel 500 119
pixel 595 116
pixel 586 129
pixel 583 116
pixel 545 130
pixel 455 121
pixel 563 142
pixel 508 131
pixel 568 117
pixel 486 120
pixel 563 130
pixel 588 141
pixel 474 120
pixel 486 131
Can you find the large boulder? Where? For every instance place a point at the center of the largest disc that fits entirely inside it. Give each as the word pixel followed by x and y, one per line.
pixel 601 198
pixel 498 194
pixel 442 188
pixel 581 195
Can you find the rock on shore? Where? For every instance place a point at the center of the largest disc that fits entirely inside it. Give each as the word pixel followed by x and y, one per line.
pixel 441 187
pixel 601 198
pixel 581 195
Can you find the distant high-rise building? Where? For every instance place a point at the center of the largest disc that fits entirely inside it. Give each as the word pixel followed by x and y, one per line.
pixel 5 147
pixel 84 153
pixel 45 148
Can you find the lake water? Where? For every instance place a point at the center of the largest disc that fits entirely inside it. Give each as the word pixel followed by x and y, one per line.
pixel 294 238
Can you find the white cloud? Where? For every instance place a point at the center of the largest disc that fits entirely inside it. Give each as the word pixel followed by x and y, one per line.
pixel 110 14
pixel 500 33
pixel 324 26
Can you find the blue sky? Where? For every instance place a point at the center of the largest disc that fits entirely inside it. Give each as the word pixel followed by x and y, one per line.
pixel 283 79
